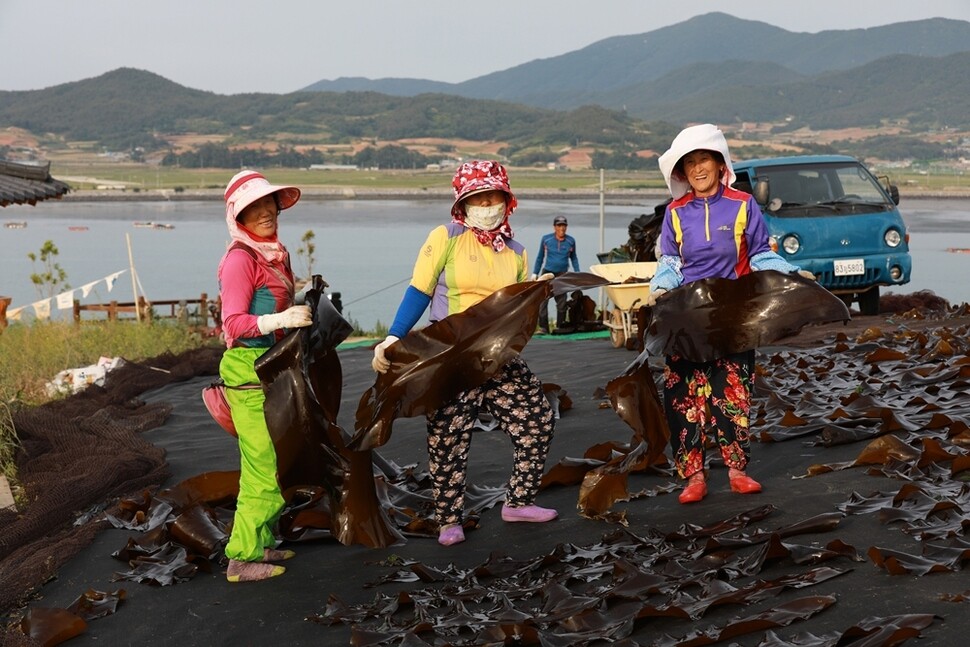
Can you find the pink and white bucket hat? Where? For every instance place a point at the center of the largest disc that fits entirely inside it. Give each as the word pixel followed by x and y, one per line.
pixel 246 187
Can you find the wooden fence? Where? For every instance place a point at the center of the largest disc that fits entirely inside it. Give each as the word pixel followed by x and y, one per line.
pixel 197 312
pixel 4 302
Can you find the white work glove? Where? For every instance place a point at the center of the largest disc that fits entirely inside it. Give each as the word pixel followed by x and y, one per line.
pixel 533 277
pixel 548 276
pixel 806 274
pixel 292 317
pixel 652 297
pixel 380 364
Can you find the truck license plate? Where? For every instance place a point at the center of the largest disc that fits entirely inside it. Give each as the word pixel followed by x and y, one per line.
pixel 850 267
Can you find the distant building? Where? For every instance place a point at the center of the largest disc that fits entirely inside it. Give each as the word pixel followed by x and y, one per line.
pixel 332 167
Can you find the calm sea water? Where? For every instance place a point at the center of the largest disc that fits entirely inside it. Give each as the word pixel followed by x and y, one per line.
pixel 364 249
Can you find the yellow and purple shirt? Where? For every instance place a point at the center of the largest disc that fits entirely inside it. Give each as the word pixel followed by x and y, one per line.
pixel 457 271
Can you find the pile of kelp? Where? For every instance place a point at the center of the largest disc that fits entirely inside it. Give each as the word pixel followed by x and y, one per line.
pixel 905 394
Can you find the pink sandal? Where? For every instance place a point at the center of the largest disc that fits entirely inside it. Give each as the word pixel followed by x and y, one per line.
pixel 529 513
pixel 251 571
pixel 451 534
pixel 274 555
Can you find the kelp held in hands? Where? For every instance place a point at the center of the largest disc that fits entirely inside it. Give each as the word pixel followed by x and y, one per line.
pixel 431 365
pixel 302 380
pixel 712 318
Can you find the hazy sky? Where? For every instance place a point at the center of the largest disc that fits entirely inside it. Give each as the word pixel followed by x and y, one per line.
pixel 281 46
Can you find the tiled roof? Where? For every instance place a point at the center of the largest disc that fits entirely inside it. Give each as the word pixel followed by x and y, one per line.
pixel 28 183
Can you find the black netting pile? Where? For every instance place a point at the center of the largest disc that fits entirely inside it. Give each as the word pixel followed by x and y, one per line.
pixel 80 454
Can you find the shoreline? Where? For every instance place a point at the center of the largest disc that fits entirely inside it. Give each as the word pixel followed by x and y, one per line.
pixel 629 196
pixel 323 194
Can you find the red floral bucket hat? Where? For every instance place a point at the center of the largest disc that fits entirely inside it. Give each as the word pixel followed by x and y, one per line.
pixel 478 176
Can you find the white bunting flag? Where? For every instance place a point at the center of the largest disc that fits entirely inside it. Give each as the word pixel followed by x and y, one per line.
pixel 14 315
pixel 110 280
pixel 42 308
pixel 65 300
pixel 86 289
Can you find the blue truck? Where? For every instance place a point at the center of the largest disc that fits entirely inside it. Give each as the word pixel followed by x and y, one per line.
pixel 830 215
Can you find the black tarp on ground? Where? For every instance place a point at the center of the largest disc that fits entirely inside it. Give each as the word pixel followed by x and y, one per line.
pixel 207 610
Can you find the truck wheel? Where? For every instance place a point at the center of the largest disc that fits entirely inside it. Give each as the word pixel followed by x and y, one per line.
pixel 869 301
pixel 847 299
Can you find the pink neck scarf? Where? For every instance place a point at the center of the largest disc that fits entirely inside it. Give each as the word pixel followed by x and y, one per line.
pixel 494 238
pixel 269 248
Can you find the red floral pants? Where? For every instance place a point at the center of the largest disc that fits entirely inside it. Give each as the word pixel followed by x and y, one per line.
pixel 706 397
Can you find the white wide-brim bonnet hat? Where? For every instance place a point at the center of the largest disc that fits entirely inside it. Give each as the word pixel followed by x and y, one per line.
pixel 706 137
pixel 246 187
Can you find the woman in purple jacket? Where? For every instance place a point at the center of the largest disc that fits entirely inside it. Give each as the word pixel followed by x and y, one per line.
pixel 710 230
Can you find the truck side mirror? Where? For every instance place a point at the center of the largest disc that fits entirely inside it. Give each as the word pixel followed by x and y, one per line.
pixel 761 191
pixel 890 188
pixel 894 193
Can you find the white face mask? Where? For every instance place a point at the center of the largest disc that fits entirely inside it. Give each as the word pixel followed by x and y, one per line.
pixel 485 218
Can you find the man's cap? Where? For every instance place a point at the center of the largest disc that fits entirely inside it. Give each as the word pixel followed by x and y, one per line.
pixel 560 220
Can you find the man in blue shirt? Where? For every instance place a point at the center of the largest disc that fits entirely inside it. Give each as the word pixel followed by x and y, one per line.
pixel 556 252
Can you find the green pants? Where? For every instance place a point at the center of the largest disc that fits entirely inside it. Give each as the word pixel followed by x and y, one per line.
pixel 260 501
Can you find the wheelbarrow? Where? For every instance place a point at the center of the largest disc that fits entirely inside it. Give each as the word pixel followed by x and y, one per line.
pixel 628 290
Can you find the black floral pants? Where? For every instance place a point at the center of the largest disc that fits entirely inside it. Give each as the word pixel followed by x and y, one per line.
pixel 515 399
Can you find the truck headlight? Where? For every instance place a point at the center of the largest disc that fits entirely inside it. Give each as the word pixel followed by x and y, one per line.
pixel 790 244
pixel 893 238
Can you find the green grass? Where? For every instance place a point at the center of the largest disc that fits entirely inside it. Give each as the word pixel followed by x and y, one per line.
pixel 146 177
pixel 8 444
pixel 31 355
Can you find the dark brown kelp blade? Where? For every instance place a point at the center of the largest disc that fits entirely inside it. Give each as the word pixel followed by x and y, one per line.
pixel 431 365
pixel 707 319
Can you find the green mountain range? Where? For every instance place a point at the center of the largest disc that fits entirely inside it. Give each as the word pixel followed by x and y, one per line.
pixel 620 94
pixel 713 59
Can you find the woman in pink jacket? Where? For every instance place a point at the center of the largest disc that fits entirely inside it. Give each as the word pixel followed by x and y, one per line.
pixel 256 288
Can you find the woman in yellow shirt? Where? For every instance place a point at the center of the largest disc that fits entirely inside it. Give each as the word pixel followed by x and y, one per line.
pixel 460 264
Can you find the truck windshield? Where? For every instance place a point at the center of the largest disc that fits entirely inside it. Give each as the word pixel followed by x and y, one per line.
pixel 837 187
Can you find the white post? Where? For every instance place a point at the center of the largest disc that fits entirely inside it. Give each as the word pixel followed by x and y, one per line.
pixel 602 210
pixel 602 298
pixel 134 280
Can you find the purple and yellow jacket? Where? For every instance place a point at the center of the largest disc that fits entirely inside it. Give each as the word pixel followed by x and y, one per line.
pixel 722 236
